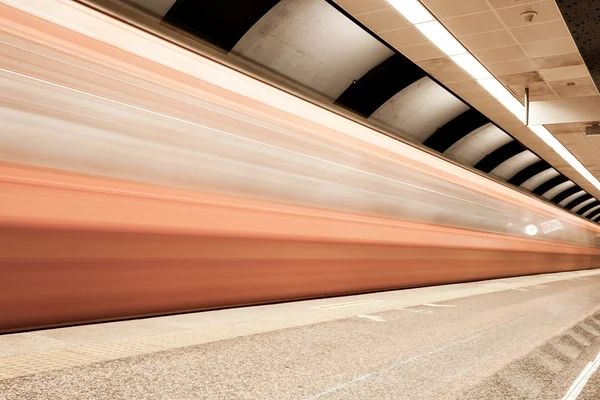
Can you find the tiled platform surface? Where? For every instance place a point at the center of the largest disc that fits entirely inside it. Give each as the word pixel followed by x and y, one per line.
pixel 29 353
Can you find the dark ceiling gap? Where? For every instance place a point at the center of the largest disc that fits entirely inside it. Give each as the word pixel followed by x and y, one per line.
pixel 549 184
pixel 577 201
pixel 566 193
pixel 529 172
pixel 588 207
pixel 498 156
pixel 380 84
pixel 446 136
pixel 212 20
pixel 593 215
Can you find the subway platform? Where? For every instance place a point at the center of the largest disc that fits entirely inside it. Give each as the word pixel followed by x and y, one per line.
pixel 533 337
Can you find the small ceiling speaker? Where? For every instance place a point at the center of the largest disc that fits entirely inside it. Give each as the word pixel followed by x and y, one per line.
pixel 528 16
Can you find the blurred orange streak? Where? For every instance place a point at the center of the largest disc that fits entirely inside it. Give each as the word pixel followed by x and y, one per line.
pixel 127 49
pixel 77 248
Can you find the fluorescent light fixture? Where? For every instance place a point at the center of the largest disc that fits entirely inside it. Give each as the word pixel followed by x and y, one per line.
pixel 591 210
pixel 514 106
pixel 550 140
pixel 495 88
pixel 412 10
pixel 471 66
pixel 433 30
pixel 438 35
pixel 562 151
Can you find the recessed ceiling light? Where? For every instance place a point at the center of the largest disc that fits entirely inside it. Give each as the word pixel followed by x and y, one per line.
pixel 495 88
pixel 514 106
pixel 472 66
pixel 412 10
pixel 562 151
pixel 438 35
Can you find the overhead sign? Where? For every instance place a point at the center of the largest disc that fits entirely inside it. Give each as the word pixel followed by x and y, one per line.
pixel 580 109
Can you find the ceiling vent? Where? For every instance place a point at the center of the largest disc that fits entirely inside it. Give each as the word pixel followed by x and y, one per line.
pixel 592 130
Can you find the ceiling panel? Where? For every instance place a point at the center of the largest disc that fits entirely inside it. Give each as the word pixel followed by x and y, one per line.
pixel 582 18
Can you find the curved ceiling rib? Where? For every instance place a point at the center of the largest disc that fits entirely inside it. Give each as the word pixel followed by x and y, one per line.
pixel 525 174
pixel 557 189
pixel 572 197
pixel 594 214
pixel 380 84
pixel 500 155
pixel 473 147
pixel 575 203
pixel 588 207
pixel 537 180
pixel 566 194
pixel 592 211
pixel 419 110
pixel 514 165
pixel 583 204
pixel 317 47
pixel 312 44
pixel 222 22
pixel 550 184
pixel 443 138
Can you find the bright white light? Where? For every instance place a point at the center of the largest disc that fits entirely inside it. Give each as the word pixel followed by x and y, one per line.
pixel 514 106
pixel 438 35
pixel 505 98
pixel 562 151
pixel 471 66
pixel 430 27
pixel 531 230
pixel 553 142
pixel 412 10
pixel 495 88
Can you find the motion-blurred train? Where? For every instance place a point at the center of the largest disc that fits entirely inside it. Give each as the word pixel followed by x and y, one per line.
pixel 139 178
